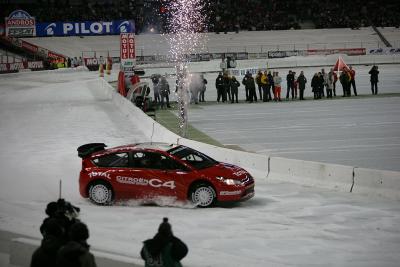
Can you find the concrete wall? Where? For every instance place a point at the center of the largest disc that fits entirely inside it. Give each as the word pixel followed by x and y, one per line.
pixel 377 183
pixel 330 176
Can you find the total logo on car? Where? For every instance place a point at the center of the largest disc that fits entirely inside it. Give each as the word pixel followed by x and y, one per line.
pixel 151 170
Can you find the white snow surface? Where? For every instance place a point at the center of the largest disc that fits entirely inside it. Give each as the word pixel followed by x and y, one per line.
pixel 45 116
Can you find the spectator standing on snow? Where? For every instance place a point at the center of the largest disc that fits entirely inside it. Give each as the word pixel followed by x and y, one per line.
pixel 246 88
pixel 277 85
pixel 264 86
pixel 270 85
pixel 345 81
pixel 164 91
pixel 295 84
pixel 76 252
pixel 315 86
pixel 250 86
pixel 289 80
pixel 324 76
pixel 374 79
pixel 203 88
pixel 259 83
pixel 226 88
pixel 301 80
pixel 164 249
pixel 335 79
pixel 329 84
pixel 219 86
pixel 155 78
pixel 234 89
pixel 321 85
pixel 352 73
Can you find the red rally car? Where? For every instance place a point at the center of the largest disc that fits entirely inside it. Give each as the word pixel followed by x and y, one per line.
pixel 151 170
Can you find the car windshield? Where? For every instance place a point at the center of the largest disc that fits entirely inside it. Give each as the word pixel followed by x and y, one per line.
pixel 192 157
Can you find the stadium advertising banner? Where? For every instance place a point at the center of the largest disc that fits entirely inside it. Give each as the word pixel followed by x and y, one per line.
pixel 85 28
pixel 384 51
pixel 347 51
pixel 15 67
pixel 319 52
pixel 20 24
pixel 127 50
pixel 282 54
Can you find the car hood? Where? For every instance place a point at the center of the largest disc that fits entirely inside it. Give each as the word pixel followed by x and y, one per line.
pixel 226 170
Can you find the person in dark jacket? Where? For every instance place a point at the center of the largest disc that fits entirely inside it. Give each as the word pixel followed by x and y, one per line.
pixel 226 88
pixel 374 79
pixel 219 84
pixel 235 89
pixel 345 81
pixel 290 81
pixel 321 84
pixel 271 85
pixel 259 84
pixel 76 252
pixel 65 214
pixel 164 249
pixel 315 86
pixel 203 88
pixel 250 86
pixel 244 82
pixel 302 80
pixel 164 91
pixel 46 254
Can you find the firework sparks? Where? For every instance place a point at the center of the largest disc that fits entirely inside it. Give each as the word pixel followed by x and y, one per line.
pixel 185 23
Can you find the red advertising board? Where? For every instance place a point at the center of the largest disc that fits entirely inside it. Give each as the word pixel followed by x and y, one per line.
pixel 15 67
pixel 127 49
pixel 30 47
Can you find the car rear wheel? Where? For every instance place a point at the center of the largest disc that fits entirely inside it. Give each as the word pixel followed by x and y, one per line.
pixel 100 193
pixel 203 195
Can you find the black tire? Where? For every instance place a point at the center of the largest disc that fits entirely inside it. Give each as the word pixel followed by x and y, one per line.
pixel 203 195
pixel 101 193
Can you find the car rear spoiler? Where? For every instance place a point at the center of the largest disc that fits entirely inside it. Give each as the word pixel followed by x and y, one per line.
pixel 88 149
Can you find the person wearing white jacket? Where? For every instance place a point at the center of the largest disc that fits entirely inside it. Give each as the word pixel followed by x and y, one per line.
pixel 329 84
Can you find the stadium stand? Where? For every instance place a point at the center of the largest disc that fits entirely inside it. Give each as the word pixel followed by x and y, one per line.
pixel 224 15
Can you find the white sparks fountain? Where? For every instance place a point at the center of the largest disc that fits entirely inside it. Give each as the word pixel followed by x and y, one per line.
pixel 185 23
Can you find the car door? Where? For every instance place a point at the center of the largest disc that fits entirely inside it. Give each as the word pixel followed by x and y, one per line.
pixel 154 173
pixel 111 166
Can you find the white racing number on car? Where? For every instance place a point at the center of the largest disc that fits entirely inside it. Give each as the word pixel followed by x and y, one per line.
pixel 146 182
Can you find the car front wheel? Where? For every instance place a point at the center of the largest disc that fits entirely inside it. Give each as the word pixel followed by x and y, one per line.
pixel 203 195
pixel 100 193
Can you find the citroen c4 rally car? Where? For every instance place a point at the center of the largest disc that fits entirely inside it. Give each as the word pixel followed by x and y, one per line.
pixel 151 170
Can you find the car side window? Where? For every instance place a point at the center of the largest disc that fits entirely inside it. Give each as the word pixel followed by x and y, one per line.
pixel 171 164
pixel 192 158
pixel 154 160
pixel 112 160
pixel 146 160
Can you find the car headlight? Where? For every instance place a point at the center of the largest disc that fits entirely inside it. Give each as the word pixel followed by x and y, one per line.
pixel 228 181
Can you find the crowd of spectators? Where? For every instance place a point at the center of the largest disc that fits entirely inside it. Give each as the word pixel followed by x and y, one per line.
pixel 222 15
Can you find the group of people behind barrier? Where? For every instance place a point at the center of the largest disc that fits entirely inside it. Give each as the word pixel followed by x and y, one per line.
pixel 269 85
